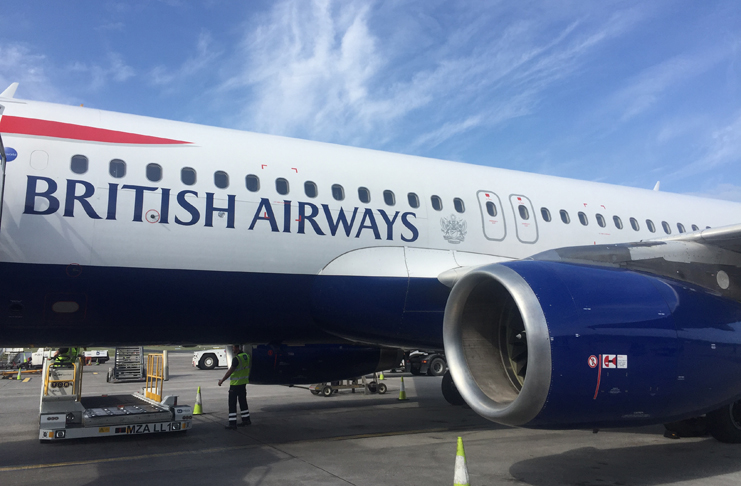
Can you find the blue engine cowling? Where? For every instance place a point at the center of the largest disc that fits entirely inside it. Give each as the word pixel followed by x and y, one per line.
pixel 317 363
pixel 546 344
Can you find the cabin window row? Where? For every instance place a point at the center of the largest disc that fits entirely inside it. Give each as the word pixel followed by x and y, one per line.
pixel 616 221
pixel 188 176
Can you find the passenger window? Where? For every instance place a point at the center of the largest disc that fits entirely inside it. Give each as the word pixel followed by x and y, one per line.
pixel 680 227
pixel 78 164
pixel 154 172
pixel 389 198
pixel 413 200
pixel 188 176
pixel 524 213
pixel 634 224
pixel 695 228
pixel 338 192
pixel 364 195
pixel 252 182
pixel 618 222
pixel 221 179
pixel 281 186
pixel 600 220
pixel 458 205
pixel 583 218
pixel 117 168
pixel 544 213
pixel 667 228
pixel 565 216
pixel 491 208
pixel 650 226
pixel 310 189
pixel 437 203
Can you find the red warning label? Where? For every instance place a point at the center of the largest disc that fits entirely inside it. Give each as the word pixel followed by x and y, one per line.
pixel 593 361
pixel 609 361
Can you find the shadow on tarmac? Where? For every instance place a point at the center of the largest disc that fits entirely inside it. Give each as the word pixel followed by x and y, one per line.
pixel 646 465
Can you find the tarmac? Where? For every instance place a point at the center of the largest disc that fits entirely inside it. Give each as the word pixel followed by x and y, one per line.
pixel 346 439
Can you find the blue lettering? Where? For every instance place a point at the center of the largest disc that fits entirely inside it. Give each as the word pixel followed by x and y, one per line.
pixel 165 206
pixel 69 202
pixel 389 223
pixel 286 216
pixel 269 216
pixel 230 209
pixel 139 200
pixel 194 214
pixel 368 214
pixel 303 218
pixel 405 221
pixel 32 194
pixel 341 219
pixel 112 199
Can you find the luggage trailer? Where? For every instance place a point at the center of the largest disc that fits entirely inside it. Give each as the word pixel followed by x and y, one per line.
pixel 65 414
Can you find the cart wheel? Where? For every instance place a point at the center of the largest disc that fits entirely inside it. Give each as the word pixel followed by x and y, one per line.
pixel 314 392
pixel 327 391
pixel 382 388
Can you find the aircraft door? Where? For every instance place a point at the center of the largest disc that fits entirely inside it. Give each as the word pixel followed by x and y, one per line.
pixel 492 216
pixel 525 222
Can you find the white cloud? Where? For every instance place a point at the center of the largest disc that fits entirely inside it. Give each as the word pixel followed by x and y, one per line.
pixel 723 148
pixel 99 76
pixel 325 70
pixel 29 69
pixel 203 58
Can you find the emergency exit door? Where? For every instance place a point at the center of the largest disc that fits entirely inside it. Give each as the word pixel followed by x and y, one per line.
pixel 492 215
pixel 526 225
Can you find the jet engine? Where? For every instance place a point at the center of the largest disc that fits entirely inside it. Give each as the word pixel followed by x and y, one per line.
pixel 317 363
pixel 557 345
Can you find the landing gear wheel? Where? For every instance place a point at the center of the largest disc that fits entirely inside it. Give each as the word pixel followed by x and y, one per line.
pixel 437 367
pixel 382 388
pixel 208 362
pixel 450 392
pixel 725 423
pixel 327 391
pixel 372 387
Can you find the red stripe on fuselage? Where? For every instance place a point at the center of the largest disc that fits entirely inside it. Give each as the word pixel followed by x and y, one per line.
pixel 46 128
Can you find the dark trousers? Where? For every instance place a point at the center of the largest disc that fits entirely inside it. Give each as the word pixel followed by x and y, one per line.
pixel 238 392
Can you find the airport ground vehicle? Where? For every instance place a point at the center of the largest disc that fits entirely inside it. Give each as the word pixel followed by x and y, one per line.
pixel 210 359
pixel 372 385
pixel 65 414
pixel 427 363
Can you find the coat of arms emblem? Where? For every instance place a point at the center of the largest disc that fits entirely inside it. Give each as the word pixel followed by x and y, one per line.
pixel 454 229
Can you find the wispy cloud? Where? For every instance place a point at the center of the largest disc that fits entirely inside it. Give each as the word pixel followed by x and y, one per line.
pixel 22 65
pixel 203 58
pixel 325 70
pixel 723 148
pixel 100 75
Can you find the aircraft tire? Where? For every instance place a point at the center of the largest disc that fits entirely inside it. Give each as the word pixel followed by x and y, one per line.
pixel 450 392
pixel 724 424
pixel 693 427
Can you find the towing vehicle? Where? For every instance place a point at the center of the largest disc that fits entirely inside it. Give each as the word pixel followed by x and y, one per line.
pixel 427 363
pixel 210 359
pixel 66 414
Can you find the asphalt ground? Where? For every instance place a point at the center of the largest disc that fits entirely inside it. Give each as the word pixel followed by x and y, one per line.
pixel 299 438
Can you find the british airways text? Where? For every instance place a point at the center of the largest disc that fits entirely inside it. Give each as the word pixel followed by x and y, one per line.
pixel 300 217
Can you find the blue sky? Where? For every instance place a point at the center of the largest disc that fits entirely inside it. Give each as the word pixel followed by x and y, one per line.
pixel 621 92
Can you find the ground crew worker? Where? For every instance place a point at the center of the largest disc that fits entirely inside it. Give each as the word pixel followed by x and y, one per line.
pixel 239 371
pixel 65 357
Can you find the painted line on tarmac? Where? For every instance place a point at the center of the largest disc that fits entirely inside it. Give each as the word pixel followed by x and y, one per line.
pixel 222 449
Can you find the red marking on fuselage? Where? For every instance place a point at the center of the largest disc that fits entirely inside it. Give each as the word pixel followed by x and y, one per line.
pixel 70 131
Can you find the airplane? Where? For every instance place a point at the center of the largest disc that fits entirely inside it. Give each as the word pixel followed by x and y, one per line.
pixel 559 303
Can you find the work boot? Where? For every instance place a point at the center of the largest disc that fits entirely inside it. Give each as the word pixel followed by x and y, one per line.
pixel 231 427
pixel 245 423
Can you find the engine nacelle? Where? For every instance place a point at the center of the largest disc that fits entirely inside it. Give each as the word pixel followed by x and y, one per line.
pixel 546 344
pixel 317 363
